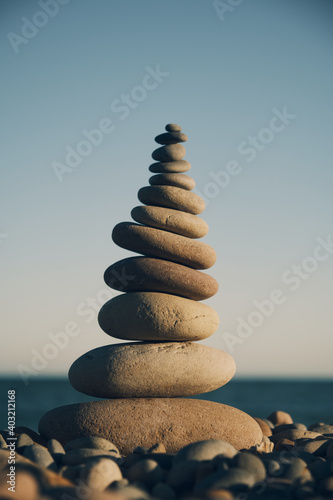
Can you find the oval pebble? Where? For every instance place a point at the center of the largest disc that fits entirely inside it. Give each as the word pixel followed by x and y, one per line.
pixel 266 430
pixel 170 152
pixel 204 450
pixel 172 197
pixel 158 317
pixel 294 434
pixel 145 471
pixel 151 370
pixel 163 244
pixel 181 181
pixel 145 274
pixel 165 167
pixel 173 127
pixel 280 417
pixel 55 448
pixel 286 427
pixel 251 463
pixel 82 455
pixel 100 473
pixel 322 428
pixel 171 220
pixel 132 422
pixel 93 442
pixel 23 440
pixel 40 456
pixel 318 447
pixel 171 138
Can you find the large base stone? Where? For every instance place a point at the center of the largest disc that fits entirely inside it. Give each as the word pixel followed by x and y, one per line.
pixel 143 422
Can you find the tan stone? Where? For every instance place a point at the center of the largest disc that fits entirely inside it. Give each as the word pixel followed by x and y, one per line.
pixel 172 197
pixel 143 422
pixel 100 473
pixel 158 317
pixel 182 223
pixel 171 138
pixel 151 370
pixel 181 181
pixel 169 152
pixel 280 417
pixel 173 127
pixel 284 444
pixel 137 274
pixel 164 167
pixel 164 245
pixel 266 430
pixel 293 435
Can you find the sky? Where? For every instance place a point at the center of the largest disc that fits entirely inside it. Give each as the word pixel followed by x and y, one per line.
pixel 250 84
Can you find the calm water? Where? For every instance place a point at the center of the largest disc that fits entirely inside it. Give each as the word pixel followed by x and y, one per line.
pixel 306 401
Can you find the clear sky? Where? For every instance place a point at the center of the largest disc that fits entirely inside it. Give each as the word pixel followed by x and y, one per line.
pixel 251 84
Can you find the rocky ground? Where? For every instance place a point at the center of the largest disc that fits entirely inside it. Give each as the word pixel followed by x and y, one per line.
pixel 293 462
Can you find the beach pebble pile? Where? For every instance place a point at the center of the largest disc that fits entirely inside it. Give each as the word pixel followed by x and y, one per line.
pixel 143 381
pixel 292 462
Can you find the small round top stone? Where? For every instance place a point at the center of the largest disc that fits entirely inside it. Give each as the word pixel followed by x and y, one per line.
pixel 172 127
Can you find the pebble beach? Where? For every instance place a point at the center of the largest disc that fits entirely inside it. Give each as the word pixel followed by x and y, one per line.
pixel 293 461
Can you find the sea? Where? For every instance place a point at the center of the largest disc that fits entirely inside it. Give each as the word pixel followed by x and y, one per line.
pixel 308 401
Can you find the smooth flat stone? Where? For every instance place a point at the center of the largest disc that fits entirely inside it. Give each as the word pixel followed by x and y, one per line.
pixel 23 440
pixel 145 471
pixel 40 455
pixel 84 455
pixel 172 197
pixel 165 167
pixel 158 317
pixel 171 220
pixel 171 138
pixel 170 152
pixel 280 417
pixel 173 127
pixel 177 180
pixel 293 435
pixel 93 442
pixel 100 473
pixel 151 370
pixel 146 274
pixel 143 422
pixel 163 244
pixel 204 450
pixel 251 463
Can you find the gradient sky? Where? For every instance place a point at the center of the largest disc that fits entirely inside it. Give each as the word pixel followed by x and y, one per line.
pixel 224 75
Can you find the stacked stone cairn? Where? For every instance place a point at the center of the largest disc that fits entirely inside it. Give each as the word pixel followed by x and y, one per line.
pixel 144 381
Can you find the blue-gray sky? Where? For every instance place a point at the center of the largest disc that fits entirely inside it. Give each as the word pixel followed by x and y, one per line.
pixel 250 83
